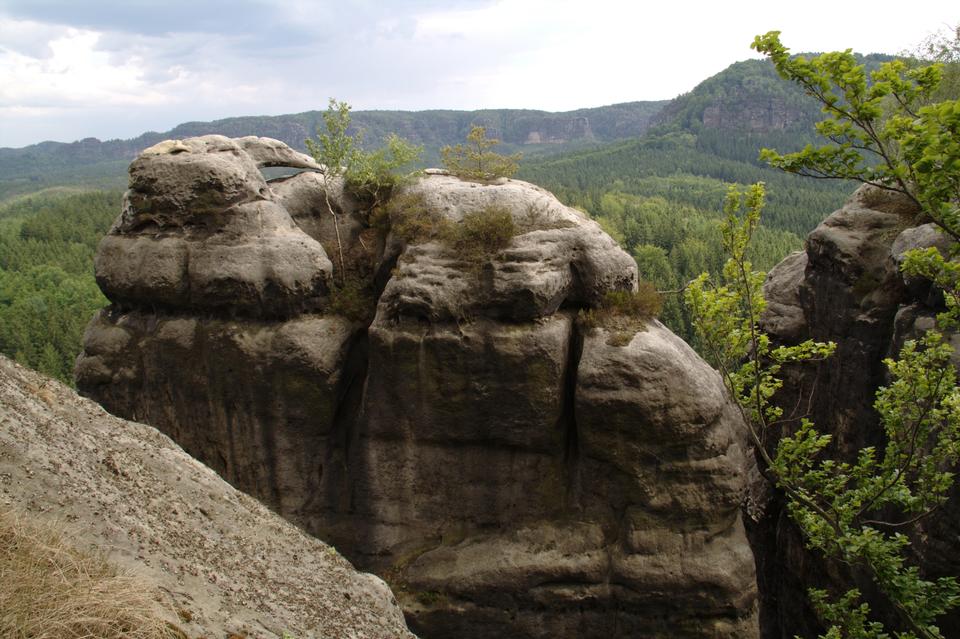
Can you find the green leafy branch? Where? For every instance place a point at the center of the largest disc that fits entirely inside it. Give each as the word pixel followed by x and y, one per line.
pixel 878 132
pixel 850 511
pixel 886 133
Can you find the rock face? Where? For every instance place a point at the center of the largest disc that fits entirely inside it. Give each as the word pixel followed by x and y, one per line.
pixel 509 472
pixel 846 287
pixel 745 113
pixel 200 230
pixel 225 565
pixel 553 131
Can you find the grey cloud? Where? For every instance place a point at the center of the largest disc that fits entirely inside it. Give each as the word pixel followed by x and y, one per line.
pixel 297 54
pixel 153 17
pixel 31 39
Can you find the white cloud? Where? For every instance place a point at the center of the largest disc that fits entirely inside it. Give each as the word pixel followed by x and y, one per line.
pixel 73 72
pixel 120 69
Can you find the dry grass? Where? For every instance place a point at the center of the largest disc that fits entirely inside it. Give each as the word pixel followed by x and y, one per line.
pixel 482 234
pixel 478 237
pixel 409 218
pixel 623 313
pixel 51 590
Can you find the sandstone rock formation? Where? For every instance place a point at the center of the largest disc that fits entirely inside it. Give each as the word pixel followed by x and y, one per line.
pixel 509 472
pixel 225 564
pixel 846 287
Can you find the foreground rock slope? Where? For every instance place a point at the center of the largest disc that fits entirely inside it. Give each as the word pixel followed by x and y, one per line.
pixel 510 472
pixel 224 563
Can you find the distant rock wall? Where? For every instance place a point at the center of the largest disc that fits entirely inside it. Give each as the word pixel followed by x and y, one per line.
pixel 752 114
pixel 508 471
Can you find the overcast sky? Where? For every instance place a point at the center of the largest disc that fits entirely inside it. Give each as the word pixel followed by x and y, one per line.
pixel 71 69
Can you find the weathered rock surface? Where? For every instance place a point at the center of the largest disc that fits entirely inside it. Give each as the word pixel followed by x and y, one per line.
pixel 846 287
pixel 510 473
pixel 201 230
pixel 223 562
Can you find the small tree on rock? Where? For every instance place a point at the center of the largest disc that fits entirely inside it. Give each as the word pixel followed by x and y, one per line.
pixel 475 161
pixel 371 177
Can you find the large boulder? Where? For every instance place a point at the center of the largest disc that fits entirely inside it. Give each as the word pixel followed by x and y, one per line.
pixel 201 229
pixel 510 472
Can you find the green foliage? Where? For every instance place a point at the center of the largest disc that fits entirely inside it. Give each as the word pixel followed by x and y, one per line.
pixel 335 149
pixel 538 218
pixel 370 176
pixel 733 93
pixel 475 160
pixel 725 314
pixel 645 303
pixel 878 131
pixel 354 299
pixel 845 509
pixel 942 47
pixel 930 264
pixel 673 243
pixel 373 176
pixel 47 290
pixel 478 237
pixel 882 130
pixel 408 217
pixel 659 195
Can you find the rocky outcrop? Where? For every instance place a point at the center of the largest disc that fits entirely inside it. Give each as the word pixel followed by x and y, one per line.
pixel 223 564
pixel 508 471
pixel 553 130
pixel 200 230
pixel 845 287
pixel 746 113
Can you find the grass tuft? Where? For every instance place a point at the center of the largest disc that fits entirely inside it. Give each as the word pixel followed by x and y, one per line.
pixel 51 590
pixel 623 313
pixel 478 237
pixel 484 233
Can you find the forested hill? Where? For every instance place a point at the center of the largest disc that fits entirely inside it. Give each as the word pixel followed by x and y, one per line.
pixel 731 114
pixel 702 140
pixel 91 162
pixel 746 96
pixel 744 107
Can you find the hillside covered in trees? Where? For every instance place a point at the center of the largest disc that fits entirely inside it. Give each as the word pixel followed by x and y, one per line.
pixel 660 195
pixel 47 290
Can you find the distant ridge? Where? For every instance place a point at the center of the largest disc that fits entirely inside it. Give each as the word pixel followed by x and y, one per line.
pixel 732 113
pixel 103 163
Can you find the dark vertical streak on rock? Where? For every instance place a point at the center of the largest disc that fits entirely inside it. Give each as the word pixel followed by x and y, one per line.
pixel 568 418
pixel 349 402
pixel 385 271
